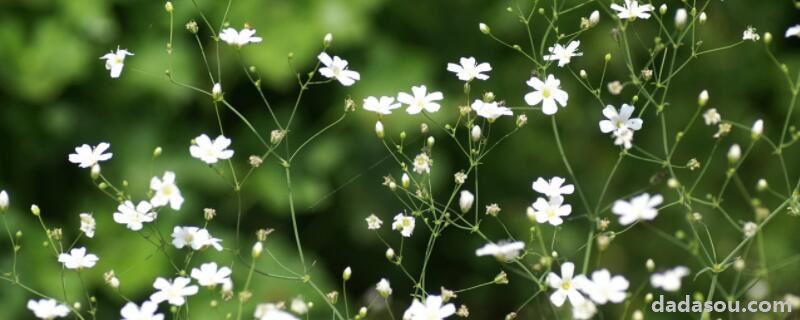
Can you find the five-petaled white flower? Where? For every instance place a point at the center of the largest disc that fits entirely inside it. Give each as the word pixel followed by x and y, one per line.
pixel 553 187
pixel 547 92
pixel 604 288
pixel 641 207
pixel 240 38
pixel 115 61
pixel 750 34
pixel 382 105
pixel 563 54
pixel 194 237
pixel 337 68
pixel 48 309
pixel 712 117
pixel 86 156
pixel 403 223
pixel 373 222
pixel 669 280
pixel 632 10
pixel 134 216
pixel 166 191
pixel 549 211
pixel 566 286
pixel 211 152
pixel 490 110
pixel 271 311
pixel 793 31
pixel 87 224
pixel 420 100
pixel 620 124
pixel 468 69
pixel 502 251
pixel 78 259
pixel 174 292
pixel 422 163
pixel 147 311
pixel 432 309
pixel 209 274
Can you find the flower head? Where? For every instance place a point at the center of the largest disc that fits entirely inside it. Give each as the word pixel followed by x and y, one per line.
pixel 549 211
pixel 604 288
pixel 147 311
pixel 173 292
pixel 420 100
pixel 632 10
pixel 669 280
pixel 750 34
pixel 548 93
pixel 209 274
pixel 78 259
pixel 382 105
pixel 620 124
pixel 48 309
pixel 711 117
pixel 384 288
pixel 502 251
pixel 553 187
pixel 194 237
pixel 336 68
pixel 132 216
pixel 468 69
pixel 166 191
pixel 87 224
pixel 490 110
pixel 641 207
pixel 373 222
pixel 422 163
pixel 563 54
pixel 240 38
pixel 566 286
pixel 403 223
pixel 432 309
pixel 115 61
pixel 86 156
pixel 211 152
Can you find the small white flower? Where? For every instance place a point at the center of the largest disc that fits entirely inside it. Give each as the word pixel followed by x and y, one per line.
pixel 240 38
pixel 270 311
pixel 553 187
pixel 166 191
pixel 465 200
pixel 547 92
pixel 712 117
pixel 615 87
pixel 211 152
pixel 174 292
pixel 549 211
pixel 632 10
pixel 132 216
pixel 469 69
pixel 641 207
pixel 594 18
pixel 490 110
pixel 384 288
pixel 793 31
pixel 734 153
pixel 194 237
pixel 209 274
pixel 421 100
pixel 384 105
pixel 680 17
pixel 3 200
pixel 373 222
pixel 623 137
pixel 48 309
pixel 78 259
pixel 422 163
pixel 502 251
pixel 115 61
pixel 86 156
pixel 750 228
pixel 432 309
pixel 758 129
pixel 563 54
pixel 584 310
pixel 88 224
pixel 616 120
pixel 403 223
pixel 669 280
pixel 146 312
pixel 336 68
pixel 566 286
pixel 299 306
pixel 750 34
pixel 604 288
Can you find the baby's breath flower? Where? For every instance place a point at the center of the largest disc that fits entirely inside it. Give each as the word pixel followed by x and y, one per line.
pixel 111 279
pixel 275 136
pixel 48 309
pixel 631 10
pixel 192 27
pixel 468 69
pixel 734 153
pixel 465 200
pixel 463 311
pixel 502 251
pixel 563 54
pixel 566 286
pixel 239 38
pixel 460 177
pixel 166 192
pixel 86 156
pixel 584 311
pixel 115 61
pixel 336 68
pixel 647 74
pixel 750 228
pixel 693 164
pixel 522 120
pixel 615 87
pixel 501 278
pixel 404 224
pixel 750 34
pixel 209 151
pixel 490 110
pixel 382 106
pixel 552 187
pixel 432 309
pixel 210 275
pixel 384 288
pixel 793 31
pixel 669 280
pixel 548 93
pixel 550 210
pixel 174 292
pixel 641 207
pixel 723 129
pixel 78 259
pixel 711 117
pixel 255 161
pixel 422 164
pixel 147 311
pixel 373 222
pixel 604 288
pixel 194 237
pixel 133 217
pixel 88 224
pixel 620 124
pixel 492 210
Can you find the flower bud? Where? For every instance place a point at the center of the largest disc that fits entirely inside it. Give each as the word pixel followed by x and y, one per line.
pixel 662 9
pixel 192 27
pixel 522 120
pixel 390 254
pixel 35 210
pixel 702 99
pixel 430 142
pixel 157 152
pixel 347 273
pixel 3 201
pixel 475 133
pixel 583 74
pixel 734 153
pixel 607 57
pixel 384 288
pixel 768 36
pixel 703 18
pixel 757 130
pixel 257 248
pixel 168 6
pixel 594 18
pixel 379 129
pixel 466 200
pixel 650 265
pixel 362 312
pixel 405 180
pixel 327 40
pixel 761 185
pixel 216 92
pixel 95 171
pixel 484 28
pixel 680 18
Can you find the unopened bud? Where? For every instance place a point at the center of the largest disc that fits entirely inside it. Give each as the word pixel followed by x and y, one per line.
pixel 379 129
pixel 484 28
pixel 257 248
pixel 475 133
pixel 347 273
pixel 35 210
pixel 466 200
pixel 168 6
pixel 702 99
pixel 327 40
pixel 405 180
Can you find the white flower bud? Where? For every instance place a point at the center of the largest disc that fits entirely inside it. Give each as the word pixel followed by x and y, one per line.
pixel 583 74
pixel 680 18
pixel 257 248
pixel 484 28
pixel 758 129
pixel 405 180
pixel 347 273
pixel 379 129
pixel 95 171
pixel 702 99
pixel 466 200
pixel 168 7
pixel 750 228
pixel 35 210
pixel 362 312
pixel 638 315
pixel 594 18
pixel 390 253
pixel 216 92
pixel 650 265
pixel 384 288
pixel 761 185
pixel 662 9
pixel 327 40
pixel 703 18
pixel 739 264
pixel 475 133
pixel 431 141
pixel 734 153
pixel 3 201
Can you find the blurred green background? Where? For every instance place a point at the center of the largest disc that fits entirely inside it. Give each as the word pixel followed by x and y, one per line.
pixel 55 94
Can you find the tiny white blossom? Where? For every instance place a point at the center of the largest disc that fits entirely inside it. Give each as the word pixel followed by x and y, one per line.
pixel 403 223
pixel 166 191
pixel 373 222
pixel 384 288
pixel 88 224
pixel 132 216
pixel 86 156
pixel 174 292
pixel 382 105
pixel 422 163
pixel 548 93
pixel 336 68
pixel 3 200
pixel 734 153
pixel 793 31
pixel 502 251
pixel 115 61
pixel 209 274
pixel 552 187
pixel 620 124
pixel 632 10
pixel 623 137
pixel 78 259
pixel 211 152
pixel 194 237
pixel 420 100
pixel 563 54
pixel 147 311
pixel 432 309
pixel 549 211
pixel 584 310
pixel 239 38
pixel 641 207
pixel 270 311
pixel 750 228
pixel 758 129
pixel 468 69
pixel 680 17
pixel 299 306
pixel 750 34
pixel 712 117
pixel 604 288
pixel 490 110
pixel 465 200
pixel 669 280
pixel 566 286
pixel 48 309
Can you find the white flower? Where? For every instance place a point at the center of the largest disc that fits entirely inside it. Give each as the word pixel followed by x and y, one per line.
pixel 465 200
pixel 623 137
pixel 615 87
pixel 641 207
pixel 269 311
pixel 567 286
pixel 469 69
pixel 174 292
pixel 617 120
pixel 87 224
pixel 86 156
pixel 48 309
pixel 337 68
pixel 750 34
pixel 431 310
pixel 403 223
pixel 547 92
pixel 115 61
pixel 632 10
pixel 194 237
pixel 78 259
pixel 384 288
pixel 563 54
pixel 422 163
pixel 553 187
pixel 604 288
pixel 793 31
pixel 490 110
pixel 680 17
pixel 734 153
pixel 209 274
pixel 712 117
pixel 421 100
pixel 669 280
pixel 134 216
pixel 549 211
pixel 240 38
pixel 384 105
pixel 3 200
pixel 373 222
pixel 166 191
pixel 146 312
pixel 211 152
pixel 750 228
pixel 502 251
pixel 584 310
pixel 758 129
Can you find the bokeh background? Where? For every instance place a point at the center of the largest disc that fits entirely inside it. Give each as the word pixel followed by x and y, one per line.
pixel 55 94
